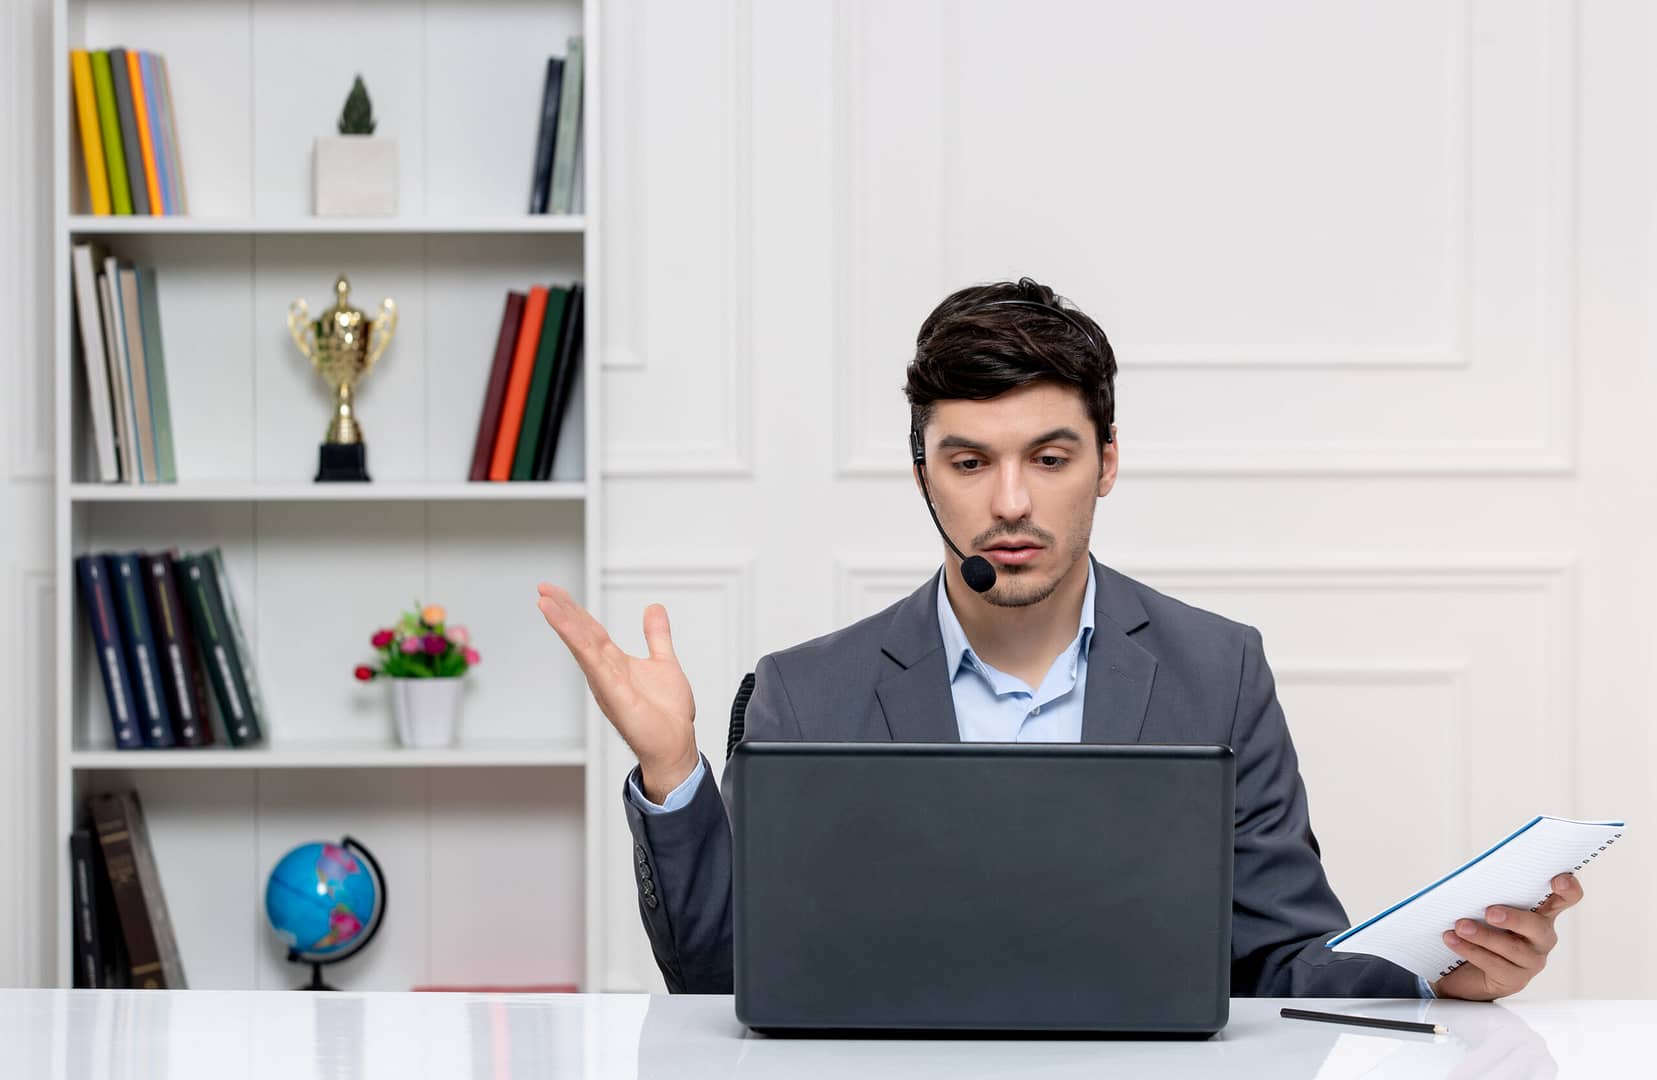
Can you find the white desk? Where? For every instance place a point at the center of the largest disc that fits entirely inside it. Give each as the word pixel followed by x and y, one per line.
pixel 223 1035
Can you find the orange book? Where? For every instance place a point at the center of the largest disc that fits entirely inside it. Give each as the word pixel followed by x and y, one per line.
pixel 92 146
pixel 517 384
pixel 141 108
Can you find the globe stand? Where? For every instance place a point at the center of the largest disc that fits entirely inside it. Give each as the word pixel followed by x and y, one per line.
pixel 295 957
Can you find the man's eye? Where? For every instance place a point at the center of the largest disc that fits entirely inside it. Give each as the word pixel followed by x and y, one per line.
pixel 1052 461
pixel 968 464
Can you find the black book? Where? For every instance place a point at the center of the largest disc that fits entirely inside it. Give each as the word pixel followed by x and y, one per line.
pixel 180 670
pixel 558 402
pixel 541 182
pixel 199 584
pixel 149 689
pixel 89 960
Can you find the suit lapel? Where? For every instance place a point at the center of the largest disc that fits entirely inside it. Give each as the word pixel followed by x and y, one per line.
pixel 915 695
pixel 1119 672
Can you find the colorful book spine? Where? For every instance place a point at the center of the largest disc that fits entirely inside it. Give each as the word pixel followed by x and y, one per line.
pixel 169 124
pixel 540 384
pixel 489 421
pixel 132 153
pixel 93 574
pixel 109 128
pixel 238 636
pixel 223 673
pixel 186 689
pixel 146 138
pixel 155 369
pixel 569 129
pixel 569 366
pixel 150 689
pixel 517 386
pixel 153 106
pixel 540 184
pixel 86 122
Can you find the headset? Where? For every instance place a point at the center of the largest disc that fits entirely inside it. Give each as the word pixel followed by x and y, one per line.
pixel 976 570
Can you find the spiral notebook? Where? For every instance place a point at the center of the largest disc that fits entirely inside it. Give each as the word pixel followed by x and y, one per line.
pixel 1515 872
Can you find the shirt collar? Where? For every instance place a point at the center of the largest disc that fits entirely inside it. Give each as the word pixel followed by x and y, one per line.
pixel 957 648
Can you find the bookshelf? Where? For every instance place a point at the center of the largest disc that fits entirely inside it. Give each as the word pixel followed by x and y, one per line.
pixel 490 848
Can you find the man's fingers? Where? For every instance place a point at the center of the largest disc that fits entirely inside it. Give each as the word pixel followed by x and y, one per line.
pixel 658 635
pixel 1505 960
pixel 582 634
pixel 1532 926
pixel 1567 893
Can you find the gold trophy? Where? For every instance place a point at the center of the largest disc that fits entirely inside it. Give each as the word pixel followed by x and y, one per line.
pixel 342 345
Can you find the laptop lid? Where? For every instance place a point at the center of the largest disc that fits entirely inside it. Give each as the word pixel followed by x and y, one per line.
pixel 982 886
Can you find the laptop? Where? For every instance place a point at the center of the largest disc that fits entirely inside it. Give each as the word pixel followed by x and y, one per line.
pixel 982 887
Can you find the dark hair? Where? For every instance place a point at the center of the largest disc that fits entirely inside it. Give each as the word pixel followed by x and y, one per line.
pixel 973 348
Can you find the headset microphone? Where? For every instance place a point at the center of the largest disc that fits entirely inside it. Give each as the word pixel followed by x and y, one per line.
pixel 976 571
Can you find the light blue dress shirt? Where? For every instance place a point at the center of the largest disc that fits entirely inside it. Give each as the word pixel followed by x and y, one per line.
pixel 990 705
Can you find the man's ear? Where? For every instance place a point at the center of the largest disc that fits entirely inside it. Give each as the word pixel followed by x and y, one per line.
pixel 1109 456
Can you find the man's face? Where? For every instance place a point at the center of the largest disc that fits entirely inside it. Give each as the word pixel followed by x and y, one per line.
pixel 1019 475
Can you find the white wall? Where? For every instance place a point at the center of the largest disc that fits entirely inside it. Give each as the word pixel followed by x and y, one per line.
pixel 1378 277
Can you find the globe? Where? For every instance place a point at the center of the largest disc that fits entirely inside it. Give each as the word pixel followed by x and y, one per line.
pixel 325 901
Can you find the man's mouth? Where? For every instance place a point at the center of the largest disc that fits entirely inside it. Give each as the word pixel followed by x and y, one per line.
pixel 1012 552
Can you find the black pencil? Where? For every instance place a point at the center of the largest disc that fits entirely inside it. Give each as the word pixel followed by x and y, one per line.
pixel 1364 1021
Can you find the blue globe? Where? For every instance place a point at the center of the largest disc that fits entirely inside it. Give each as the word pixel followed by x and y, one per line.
pixel 322 900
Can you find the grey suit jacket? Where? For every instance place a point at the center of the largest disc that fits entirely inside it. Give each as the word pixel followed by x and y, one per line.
pixel 1159 671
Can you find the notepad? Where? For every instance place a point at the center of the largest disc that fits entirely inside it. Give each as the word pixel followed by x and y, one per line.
pixel 1515 872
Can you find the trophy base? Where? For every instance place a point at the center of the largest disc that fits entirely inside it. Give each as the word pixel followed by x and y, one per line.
pixel 342 462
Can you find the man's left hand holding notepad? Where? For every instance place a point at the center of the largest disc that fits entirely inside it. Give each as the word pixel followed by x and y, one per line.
pixel 1485 930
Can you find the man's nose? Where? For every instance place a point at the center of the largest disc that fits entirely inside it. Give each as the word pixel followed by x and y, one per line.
pixel 1011 499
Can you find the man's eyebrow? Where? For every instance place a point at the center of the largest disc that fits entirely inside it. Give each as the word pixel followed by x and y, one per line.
pixel 961 442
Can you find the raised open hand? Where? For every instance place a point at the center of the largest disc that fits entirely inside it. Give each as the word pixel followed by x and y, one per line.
pixel 647 699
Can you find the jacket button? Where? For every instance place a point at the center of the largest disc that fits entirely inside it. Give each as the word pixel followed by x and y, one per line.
pixel 644 872
pixel 650 901
pixel 639 853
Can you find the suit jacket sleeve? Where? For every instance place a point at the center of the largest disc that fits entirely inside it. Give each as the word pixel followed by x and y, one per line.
pixel 686 856
pixel 1283 909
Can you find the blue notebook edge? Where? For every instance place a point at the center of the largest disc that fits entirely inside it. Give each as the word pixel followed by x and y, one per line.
pixel 1497 846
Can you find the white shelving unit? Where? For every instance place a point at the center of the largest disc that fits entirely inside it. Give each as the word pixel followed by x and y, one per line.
pixel 490 849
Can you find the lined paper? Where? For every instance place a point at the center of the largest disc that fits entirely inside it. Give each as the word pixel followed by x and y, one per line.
pixel 1515 872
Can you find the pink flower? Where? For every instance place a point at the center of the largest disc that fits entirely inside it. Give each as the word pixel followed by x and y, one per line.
pixel 382 639
pixel 434 644
pixel 459 636
pixel 410 645
pixel 472 656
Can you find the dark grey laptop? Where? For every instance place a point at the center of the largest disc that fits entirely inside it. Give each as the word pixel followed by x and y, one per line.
pixel 990 887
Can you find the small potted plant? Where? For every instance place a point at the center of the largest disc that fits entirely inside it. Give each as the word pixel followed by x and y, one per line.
pixel 426 660
pixel 355 171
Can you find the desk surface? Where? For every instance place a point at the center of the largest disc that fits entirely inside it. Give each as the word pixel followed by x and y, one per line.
pixel 81 1034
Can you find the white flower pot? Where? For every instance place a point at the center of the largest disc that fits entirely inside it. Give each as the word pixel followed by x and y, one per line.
pixel 355 176
pixel 427 711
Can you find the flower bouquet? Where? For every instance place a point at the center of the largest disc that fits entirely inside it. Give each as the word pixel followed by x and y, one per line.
pixel 425 658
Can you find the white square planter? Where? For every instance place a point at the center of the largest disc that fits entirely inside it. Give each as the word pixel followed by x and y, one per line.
pixel 356 176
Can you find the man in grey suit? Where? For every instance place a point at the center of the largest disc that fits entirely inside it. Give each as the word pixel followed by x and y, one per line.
pixel 1013 439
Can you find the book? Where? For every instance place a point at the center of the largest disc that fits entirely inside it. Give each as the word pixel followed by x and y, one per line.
pixel 569 366
pixel 238 637
pixel 89 963
pixel 207 620
pixel 153 959
pixel 84 259
pixel 120 390
pixel 1513 872
pixel 146 142
pixel 109 128
pixel 540 384
pixel 186 687
pixel 155 366
pixel 121 356
pixel 489 420
pixel 92 572
pixel 569 127
pixel 138 640
pixel 86 122
pixel 540 181
pixel 169 125
pixel 156 113
pixel 517 384
pixel 132 155
pixel 138 375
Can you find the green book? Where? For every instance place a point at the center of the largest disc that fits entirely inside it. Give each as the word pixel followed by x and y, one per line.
pixel 161 416
pixel 540 384
pixel 109 127
pixel 569 130
pixel 214 558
